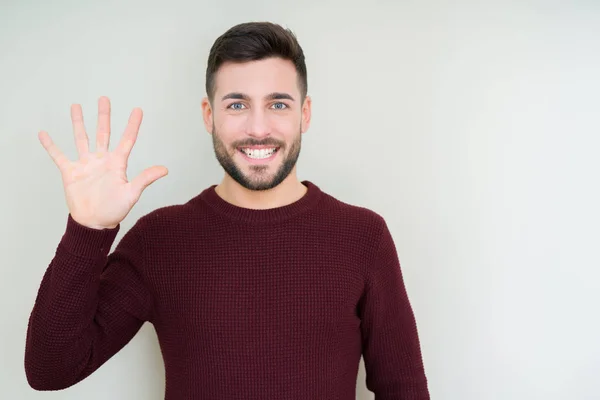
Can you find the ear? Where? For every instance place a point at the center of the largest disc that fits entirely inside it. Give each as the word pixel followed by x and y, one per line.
pixel 207 114
pixel 306 114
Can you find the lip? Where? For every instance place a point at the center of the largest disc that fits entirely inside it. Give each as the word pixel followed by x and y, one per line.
pixel 258 161
pixel 264 146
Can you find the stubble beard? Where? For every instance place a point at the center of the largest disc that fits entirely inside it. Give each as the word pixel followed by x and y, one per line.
pixel 259 178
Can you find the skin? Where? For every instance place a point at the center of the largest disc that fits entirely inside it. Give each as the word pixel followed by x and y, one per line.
pixel 98 193
pixel 244 112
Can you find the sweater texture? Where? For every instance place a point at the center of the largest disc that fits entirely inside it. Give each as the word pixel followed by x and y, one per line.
pixel 247 304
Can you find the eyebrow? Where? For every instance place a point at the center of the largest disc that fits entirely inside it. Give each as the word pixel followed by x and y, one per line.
pixel 271 96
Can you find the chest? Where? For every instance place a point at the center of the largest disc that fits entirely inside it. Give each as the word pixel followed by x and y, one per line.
pixel 259 287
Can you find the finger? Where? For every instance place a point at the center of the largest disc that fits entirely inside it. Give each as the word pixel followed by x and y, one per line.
pixel 103 128
pixel 57 156
pixel 146 178
pixel 130 135
pixel 81 138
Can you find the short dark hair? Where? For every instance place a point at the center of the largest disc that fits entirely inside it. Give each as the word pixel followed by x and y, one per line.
pixel 253 41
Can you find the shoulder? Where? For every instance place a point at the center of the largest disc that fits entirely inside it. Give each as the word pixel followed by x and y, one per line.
pixel 356 212
pixel 169 218
pixel 356 230
pixel 361 219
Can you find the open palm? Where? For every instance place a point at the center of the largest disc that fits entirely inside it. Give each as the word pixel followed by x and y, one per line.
pixel 97 191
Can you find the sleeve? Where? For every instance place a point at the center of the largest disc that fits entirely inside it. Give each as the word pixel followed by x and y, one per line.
pixel 89 305
pixel 390 342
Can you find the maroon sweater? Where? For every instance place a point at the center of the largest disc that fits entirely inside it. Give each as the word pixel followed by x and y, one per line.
pixel 247 304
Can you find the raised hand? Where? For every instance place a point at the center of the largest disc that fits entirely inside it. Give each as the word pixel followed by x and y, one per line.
pixel 97 191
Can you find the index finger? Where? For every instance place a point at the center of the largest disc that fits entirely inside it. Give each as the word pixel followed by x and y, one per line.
pixel 131 132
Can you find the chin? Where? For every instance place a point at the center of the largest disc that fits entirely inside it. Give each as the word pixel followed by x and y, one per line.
pixel 259 178
pixel 258 184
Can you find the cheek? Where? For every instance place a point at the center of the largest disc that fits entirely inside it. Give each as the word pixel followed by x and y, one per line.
pixel 229 124
pixel 228 130
pixel 286 126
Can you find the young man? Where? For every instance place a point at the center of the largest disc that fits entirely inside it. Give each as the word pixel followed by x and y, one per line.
pixel 260 287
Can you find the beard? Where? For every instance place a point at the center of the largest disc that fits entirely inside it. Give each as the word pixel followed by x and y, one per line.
pixel 259 178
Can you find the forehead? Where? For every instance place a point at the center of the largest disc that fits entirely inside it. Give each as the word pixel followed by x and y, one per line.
pixel 256 78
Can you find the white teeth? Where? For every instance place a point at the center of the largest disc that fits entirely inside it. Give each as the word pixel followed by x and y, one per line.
pixel 260 153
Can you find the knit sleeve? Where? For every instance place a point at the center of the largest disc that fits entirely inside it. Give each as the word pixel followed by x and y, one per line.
pixel 391 349
pixel 89 305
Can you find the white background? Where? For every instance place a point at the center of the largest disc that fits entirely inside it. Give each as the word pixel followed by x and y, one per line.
pixel 473 127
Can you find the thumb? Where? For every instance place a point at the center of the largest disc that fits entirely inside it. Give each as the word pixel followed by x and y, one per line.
pixel 147 177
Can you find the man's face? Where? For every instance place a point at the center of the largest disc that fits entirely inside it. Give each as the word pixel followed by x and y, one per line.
pixel 257 121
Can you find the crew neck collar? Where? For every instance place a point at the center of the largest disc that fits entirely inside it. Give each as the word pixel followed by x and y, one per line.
pixel 305 203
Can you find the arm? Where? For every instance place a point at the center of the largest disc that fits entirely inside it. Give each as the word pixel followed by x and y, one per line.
pixel 391 349
pixel 89 305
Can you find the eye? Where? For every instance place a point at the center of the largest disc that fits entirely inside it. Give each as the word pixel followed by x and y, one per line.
pixel 280 106
pixel 234 106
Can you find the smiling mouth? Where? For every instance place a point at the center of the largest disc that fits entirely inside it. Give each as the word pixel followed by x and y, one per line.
pixel 259 153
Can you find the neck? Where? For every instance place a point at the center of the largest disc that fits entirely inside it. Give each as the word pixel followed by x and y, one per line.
pixel 287 192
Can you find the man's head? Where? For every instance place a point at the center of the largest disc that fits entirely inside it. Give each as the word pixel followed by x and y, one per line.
pixel 257 105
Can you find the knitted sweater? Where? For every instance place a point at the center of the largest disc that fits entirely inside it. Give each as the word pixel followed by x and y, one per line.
pixel 247 304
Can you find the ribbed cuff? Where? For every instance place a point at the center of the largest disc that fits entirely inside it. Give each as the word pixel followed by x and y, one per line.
pixel 88 242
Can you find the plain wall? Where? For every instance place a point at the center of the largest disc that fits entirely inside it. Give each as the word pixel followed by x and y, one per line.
pixel 473 127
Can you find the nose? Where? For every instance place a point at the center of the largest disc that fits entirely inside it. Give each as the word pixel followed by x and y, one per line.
pixel 258 124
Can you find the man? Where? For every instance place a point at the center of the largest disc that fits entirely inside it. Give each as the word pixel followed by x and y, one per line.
pixel 260 287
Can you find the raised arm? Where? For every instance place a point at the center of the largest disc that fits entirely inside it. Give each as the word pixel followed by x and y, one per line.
pixel 90 302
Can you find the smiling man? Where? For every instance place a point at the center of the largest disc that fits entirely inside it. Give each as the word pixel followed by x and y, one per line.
pixel 259 287
pixel 257 109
